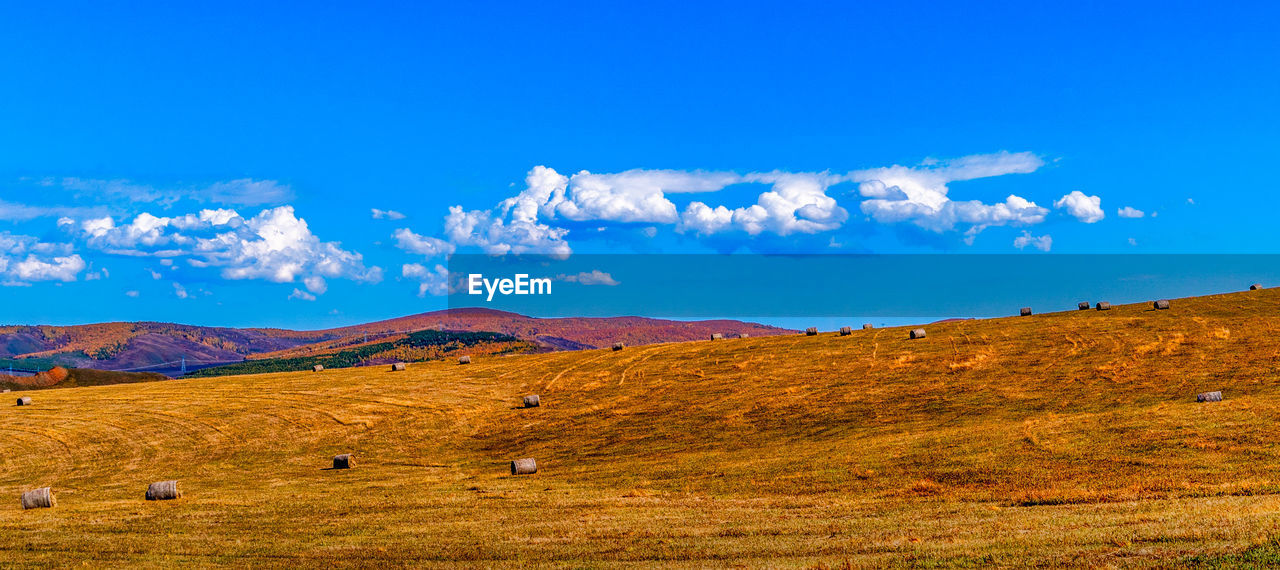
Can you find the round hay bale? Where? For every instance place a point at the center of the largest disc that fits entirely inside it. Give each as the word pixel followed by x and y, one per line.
pixel 344 461
pixel 524 467
pixel 811 331
pixel 532 401
pixel 1255 286
pixel 618 346
pixel 846 331
pixel 1025 312
pixel 163 491
pixel 398 367
pixel 4 391
pixel 743 335
pixel 24 401
pixel 1209 397
pixel 1104 306
pixel 465 360
pixel 1161 305
pixel 917 333
pixel 717 336
pixel 41 498
pixel 1083 305
pixel 317 368
pixel 868 326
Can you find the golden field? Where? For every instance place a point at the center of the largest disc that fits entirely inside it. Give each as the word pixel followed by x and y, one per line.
pixel 1070 438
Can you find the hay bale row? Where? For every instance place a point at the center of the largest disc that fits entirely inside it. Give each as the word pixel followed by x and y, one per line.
pixel 532 401
pixel 524 467
pixel 1255 286
pixel 4 391
pixel 24 401
pixel 867 326
pixel 163 491
pixel 41 498
pixel 1025 312
pixel 465 360
pixel 846 331
pixel 1161 305
pixel 717 336
pixel 618 346
pixel 1104 306
pixel 317 368
pixel 1082 305
pixel 1209 397
pixel 398 367
pixel 344 461
pixel 811 331
pixel 743 335
pixel 917 333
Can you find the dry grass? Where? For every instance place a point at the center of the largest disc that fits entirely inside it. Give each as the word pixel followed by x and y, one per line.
pixel 1070 438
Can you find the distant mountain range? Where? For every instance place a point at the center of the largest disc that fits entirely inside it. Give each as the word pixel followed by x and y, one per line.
pixel 162 347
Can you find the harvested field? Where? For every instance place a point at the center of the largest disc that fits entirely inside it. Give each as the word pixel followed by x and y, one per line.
pixel 1069 438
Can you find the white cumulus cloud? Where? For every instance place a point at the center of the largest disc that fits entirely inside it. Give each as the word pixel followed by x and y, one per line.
pixel 278 246
pixel 274 245
pixel 795 203
pixel 1087 209
pixel 540 217
pixel 536 220
pixel 51 269
pixel 635 195
pixel 1129 212
pixel 921 195
pixel 515 225
pixel 24 259
pixel 480 228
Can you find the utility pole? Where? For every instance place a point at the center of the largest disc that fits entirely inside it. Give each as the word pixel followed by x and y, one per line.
pixel 184 365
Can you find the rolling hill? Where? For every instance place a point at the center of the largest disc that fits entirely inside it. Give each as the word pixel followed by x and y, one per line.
pixel 413 347
pixel 161 346
pixel 127 346
pixel 1060 439
pixel 573 333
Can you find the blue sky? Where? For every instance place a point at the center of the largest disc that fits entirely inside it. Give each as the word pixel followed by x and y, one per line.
pixel 222 164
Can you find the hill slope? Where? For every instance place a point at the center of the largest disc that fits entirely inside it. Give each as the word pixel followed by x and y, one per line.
pixel 1060 439
pixel 161 346
pixel 122 346
pixel 571 333
pixel 413 347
